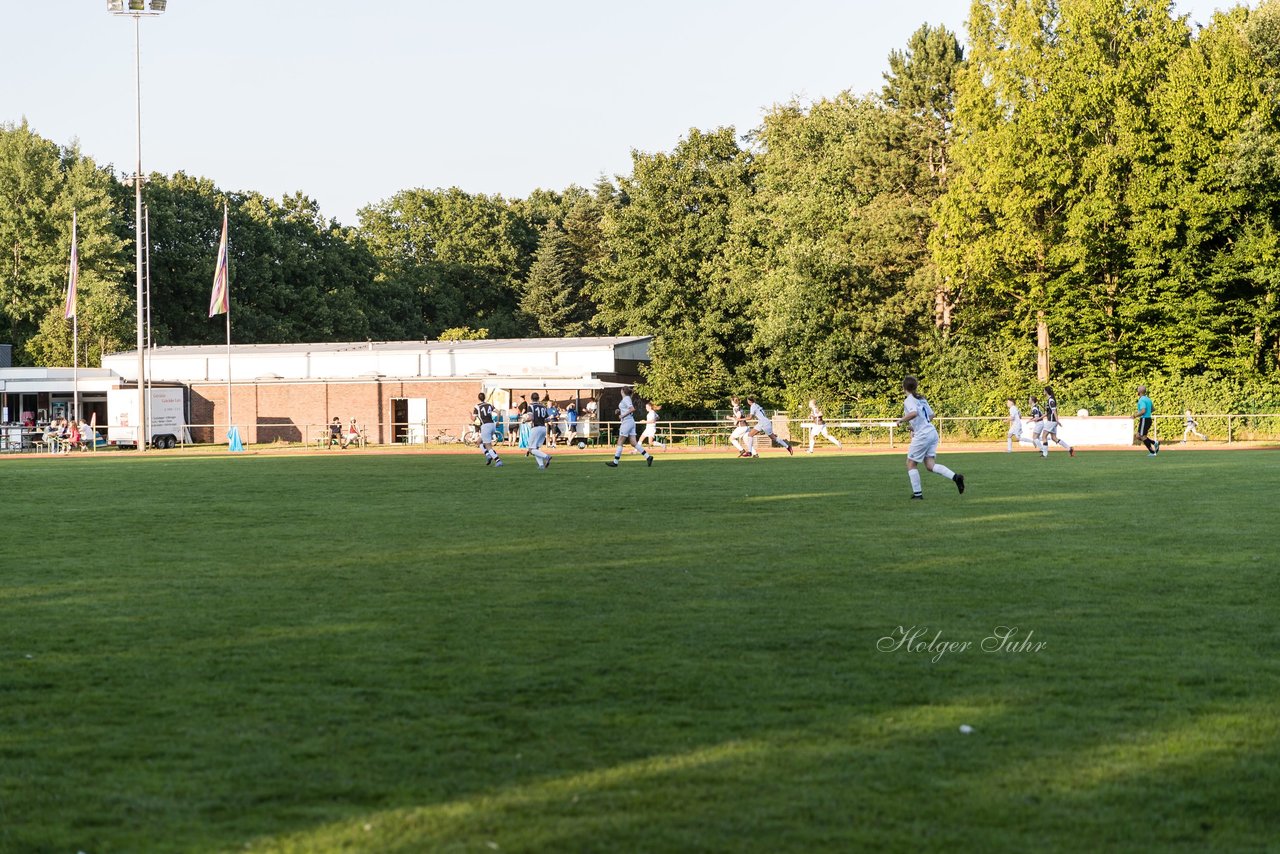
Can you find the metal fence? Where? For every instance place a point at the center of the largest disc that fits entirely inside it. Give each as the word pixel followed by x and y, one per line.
pixel 1231 428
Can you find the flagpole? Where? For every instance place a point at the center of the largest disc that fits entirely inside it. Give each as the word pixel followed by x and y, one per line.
pixel 73 276
pixel 220 302
pixel 146 227
pixel 75 366
pixel 231 423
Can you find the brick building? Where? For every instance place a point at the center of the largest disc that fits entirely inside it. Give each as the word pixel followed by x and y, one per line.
pixel 397 391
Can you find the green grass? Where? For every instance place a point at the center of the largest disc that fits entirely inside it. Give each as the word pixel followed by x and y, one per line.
pixel 415 652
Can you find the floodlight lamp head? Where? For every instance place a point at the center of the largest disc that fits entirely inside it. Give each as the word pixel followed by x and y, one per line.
pixel 115 5
pixel 137 5
pixel 159 5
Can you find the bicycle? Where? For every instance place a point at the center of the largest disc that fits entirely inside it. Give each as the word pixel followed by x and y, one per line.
pixel 469 437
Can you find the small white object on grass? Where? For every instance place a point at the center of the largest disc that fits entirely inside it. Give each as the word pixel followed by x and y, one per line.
pixel 966 729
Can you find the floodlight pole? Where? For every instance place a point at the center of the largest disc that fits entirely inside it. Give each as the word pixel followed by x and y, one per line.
pixel 136 12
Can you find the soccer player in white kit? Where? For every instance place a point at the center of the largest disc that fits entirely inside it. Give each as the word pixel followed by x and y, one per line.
pixel 486 415
pixel 1191 428
pixel 1015 427
pixel 650 426
pixel 627 429
pixel 764 427
pixel 818 427
pixel 537 415
pixel 740 427
pixel 918 416
pixel 1049 429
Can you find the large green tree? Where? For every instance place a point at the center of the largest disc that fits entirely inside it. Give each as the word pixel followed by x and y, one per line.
pixel 833 243
pixel 553 297
pixel 463 255
pixel 1054 130
pixel 41 184
pixel 661 267
pixel 294 276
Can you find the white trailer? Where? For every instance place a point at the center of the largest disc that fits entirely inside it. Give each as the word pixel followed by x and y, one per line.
pixel 166 411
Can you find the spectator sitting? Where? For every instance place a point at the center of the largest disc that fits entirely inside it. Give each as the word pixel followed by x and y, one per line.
pixel 71 439
pixel 353 434
pixel 335 433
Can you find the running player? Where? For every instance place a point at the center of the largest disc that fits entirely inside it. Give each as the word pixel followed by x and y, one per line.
pixel 1190 427
pixel 764 427
pixel 918 416
pixel 486 415
pixel 1037 424
pixel 1015 427
pixel 818 426
pixel 537 415
pixel 740 427
pixel 627 429
pixel 1049 428
pixel 650 426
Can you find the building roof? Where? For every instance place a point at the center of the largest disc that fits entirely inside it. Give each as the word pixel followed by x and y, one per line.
pixel 494 344
pixel 545 358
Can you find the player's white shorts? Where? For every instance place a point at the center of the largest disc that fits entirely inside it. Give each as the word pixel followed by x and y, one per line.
pixel 1036 427
pixel 739 432
pixel 1049 427
pixel 924 443
pixel 486 432
pixel 764 426
pixel 1015 429
pixel 537 437
pixel 649 433
pixel 627 428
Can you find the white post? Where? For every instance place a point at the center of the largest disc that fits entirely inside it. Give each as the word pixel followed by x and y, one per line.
pixel 138 239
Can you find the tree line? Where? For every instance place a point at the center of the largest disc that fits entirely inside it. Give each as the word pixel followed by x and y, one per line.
pixel 1089 193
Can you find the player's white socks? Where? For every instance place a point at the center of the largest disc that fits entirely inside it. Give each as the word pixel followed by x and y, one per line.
pixel 736 444
pixel 913 475
pixel 944 471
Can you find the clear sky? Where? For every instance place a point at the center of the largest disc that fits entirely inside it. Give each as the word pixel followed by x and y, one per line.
pixel 351 102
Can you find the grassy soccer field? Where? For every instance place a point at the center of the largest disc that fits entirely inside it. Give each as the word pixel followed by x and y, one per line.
pixel 415 652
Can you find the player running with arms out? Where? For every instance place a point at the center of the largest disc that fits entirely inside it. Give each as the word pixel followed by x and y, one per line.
pixel 486 416
pixel 818 426
pixel 1049 429
pixel 1015 427
pixel 537 415
pixel 740 427
pixel 764 427
pixel 627 430
pixel 917 415
pixel 1145 415
pixel 1190 428
pixel 650 433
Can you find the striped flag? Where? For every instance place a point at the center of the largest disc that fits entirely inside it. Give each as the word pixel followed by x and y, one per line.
pixel 220 300
pixel 73 276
